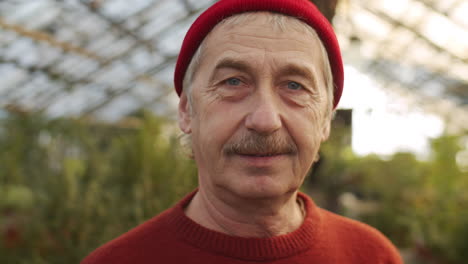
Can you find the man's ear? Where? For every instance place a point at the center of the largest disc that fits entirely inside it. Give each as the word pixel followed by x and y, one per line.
pixel 326 129
pixel 184 113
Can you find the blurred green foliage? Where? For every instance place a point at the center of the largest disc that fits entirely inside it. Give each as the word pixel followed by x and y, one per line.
pixel 68 186
pixel 421 205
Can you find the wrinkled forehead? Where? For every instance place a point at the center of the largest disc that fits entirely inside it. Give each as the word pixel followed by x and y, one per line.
pixel 265 30
pixel 283 29
pixel 272 20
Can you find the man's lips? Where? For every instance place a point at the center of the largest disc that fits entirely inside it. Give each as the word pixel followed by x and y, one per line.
pixel 261 154
pixel 262 160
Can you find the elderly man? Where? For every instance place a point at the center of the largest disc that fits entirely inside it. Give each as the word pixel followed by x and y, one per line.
pixel 258 81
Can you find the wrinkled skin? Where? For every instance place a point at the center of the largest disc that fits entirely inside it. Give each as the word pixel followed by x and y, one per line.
pixel 258 112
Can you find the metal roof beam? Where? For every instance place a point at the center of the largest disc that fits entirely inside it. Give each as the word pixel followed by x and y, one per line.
pixel 445 13
pixel 47 38
pixel 119 92
pixel 397 23
pixel 118 26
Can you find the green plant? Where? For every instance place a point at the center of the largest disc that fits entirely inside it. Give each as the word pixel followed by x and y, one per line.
pixel 68 186
pixel 421 204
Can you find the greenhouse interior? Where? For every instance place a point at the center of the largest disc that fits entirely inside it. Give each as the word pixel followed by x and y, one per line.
pixel 90 146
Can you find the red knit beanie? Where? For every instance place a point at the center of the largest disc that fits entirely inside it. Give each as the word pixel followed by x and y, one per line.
pixel 301 9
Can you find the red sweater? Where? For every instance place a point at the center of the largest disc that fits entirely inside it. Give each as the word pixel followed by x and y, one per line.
pixel 323 238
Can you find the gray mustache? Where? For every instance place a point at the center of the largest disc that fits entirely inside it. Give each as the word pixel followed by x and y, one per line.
pixel 255 144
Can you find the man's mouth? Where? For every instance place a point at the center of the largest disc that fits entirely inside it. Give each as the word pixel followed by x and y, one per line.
pixel 262 159
pixel 261 154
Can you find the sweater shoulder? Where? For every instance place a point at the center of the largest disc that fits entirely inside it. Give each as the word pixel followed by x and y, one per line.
pixel 133 244
pixel 359 240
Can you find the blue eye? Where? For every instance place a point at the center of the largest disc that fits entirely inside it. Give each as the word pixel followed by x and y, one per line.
pixel 294 86
pixel 233 81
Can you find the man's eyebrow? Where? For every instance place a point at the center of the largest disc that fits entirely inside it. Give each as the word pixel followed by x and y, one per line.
pixel 230 63
pixel 302 71
pixel 288 69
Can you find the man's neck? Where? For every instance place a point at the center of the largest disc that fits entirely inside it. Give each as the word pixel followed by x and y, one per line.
pixel 247 218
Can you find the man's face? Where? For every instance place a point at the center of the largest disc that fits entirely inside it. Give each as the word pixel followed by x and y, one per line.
pixel 258 109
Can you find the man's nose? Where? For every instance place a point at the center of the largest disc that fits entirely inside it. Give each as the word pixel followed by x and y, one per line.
pixel 264 115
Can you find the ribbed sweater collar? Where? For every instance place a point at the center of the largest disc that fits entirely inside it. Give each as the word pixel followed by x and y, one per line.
pixel 256 249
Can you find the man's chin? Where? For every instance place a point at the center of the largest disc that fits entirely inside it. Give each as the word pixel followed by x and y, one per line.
pixel 262 187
